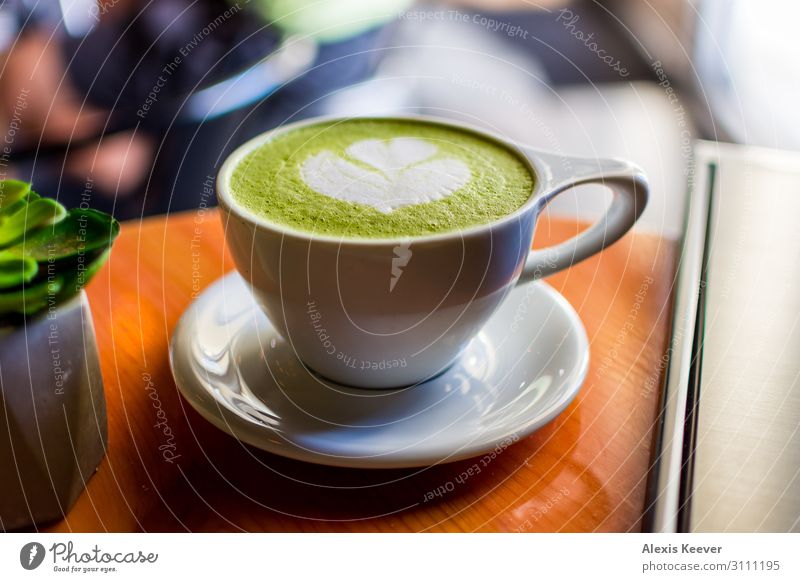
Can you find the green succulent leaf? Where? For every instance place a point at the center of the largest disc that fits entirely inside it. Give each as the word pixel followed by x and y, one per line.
pixel 32 298
pixel 77 279
pixel 15 271
pixel 12 191
pixel 47 254
pixel 82 233
pixel 14 207
pixel 41 212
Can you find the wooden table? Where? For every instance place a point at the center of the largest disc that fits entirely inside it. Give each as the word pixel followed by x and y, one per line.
pixel 586 471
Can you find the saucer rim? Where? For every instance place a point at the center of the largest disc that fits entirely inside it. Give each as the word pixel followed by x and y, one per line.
pixel 210 409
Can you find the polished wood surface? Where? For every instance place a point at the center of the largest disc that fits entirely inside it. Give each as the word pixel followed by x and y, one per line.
pixel 167 469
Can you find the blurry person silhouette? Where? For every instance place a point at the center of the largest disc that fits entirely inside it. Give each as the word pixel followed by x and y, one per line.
pixel 131 105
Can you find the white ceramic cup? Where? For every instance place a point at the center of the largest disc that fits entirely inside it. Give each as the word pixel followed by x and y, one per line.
pixel 378 313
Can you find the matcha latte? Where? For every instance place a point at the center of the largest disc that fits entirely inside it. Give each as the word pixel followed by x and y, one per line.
pixel 373 178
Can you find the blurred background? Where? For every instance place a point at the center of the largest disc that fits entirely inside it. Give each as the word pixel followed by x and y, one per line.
pixel 131 105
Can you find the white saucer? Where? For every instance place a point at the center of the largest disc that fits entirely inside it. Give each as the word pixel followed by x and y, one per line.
pixel 525 366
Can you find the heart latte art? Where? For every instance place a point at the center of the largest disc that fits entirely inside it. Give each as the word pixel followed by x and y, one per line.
pixel 379 178
pixel 385 174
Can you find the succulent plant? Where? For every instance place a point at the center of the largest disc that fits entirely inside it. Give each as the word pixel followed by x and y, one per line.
pixel 47 253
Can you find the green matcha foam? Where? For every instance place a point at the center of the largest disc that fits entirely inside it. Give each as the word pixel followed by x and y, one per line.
pixel 368 178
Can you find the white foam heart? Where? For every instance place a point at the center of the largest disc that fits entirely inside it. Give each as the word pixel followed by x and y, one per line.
pixel 401 173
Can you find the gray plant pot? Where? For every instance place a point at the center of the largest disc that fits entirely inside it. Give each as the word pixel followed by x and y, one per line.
pixel 53 426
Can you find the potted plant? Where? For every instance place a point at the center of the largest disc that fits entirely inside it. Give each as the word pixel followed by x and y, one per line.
pixel 53 430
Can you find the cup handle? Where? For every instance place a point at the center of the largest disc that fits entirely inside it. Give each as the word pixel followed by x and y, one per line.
pixel 629 188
